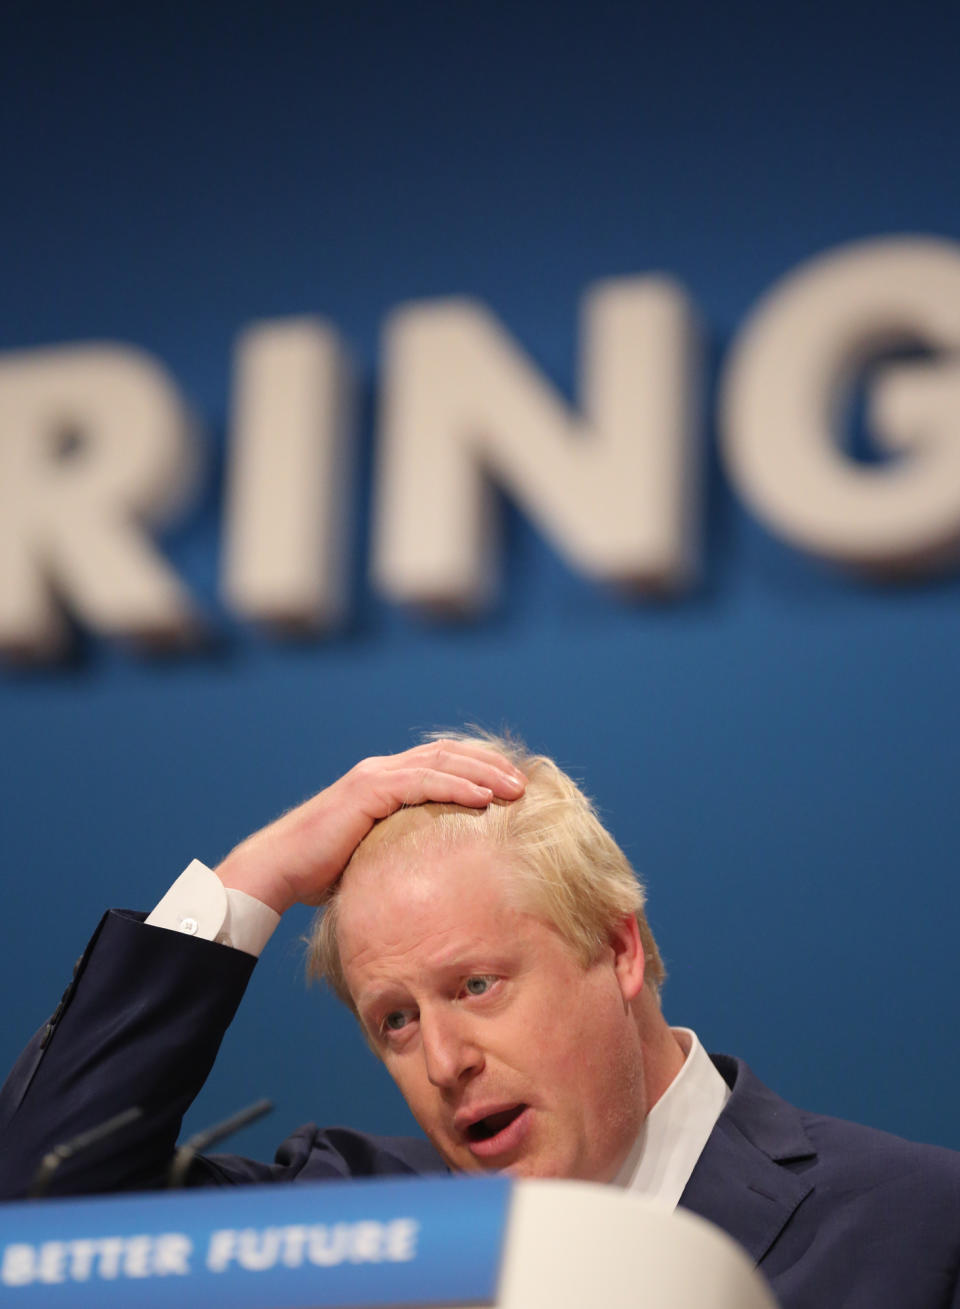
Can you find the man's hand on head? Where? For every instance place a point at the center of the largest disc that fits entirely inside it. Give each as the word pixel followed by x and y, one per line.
pixel 298 858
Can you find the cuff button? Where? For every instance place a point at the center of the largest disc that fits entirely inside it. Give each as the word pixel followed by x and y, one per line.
pixel 190 926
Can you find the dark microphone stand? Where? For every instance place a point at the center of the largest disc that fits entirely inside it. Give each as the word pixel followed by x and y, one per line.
pixel 186 1153
pixel 85 1141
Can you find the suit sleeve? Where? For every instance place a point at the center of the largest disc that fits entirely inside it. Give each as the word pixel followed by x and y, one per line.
pixel 140 1024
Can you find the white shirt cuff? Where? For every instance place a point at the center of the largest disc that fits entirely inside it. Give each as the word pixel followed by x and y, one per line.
pixel 198 904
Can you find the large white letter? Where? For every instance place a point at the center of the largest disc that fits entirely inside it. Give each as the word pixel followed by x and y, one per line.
pixel 289 482
pixel 614 491
pixel 94 442
pixel 794 366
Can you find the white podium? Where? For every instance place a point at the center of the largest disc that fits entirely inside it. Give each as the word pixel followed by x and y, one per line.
pixel 575 1245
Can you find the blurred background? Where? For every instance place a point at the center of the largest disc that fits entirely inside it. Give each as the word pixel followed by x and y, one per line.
pixel 775 747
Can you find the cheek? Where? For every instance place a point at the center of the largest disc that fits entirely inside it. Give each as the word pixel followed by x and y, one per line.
pixel 404 1075
pixel 421 1100
pixel 566 1048
pixel 411 1080
pixel 595 1044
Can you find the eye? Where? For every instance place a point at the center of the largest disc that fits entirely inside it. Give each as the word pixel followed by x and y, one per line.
pixel 395 1021
pixel 479 985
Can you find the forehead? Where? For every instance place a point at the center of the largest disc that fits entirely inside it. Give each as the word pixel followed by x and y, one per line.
pixel 430 905
pixel 426 878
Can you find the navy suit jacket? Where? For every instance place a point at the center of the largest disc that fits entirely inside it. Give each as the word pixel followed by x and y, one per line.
pixel 836 1216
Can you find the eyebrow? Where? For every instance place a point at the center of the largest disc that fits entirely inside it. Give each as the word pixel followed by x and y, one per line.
pixel 465 964
pixel 388 997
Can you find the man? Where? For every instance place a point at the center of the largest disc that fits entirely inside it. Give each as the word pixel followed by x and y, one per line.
pixel 490 937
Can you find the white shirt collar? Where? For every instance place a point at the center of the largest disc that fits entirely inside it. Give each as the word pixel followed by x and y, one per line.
pixel 676 1129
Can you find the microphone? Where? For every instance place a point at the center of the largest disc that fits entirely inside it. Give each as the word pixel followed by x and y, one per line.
pixel 77 1145
pixel 186 1153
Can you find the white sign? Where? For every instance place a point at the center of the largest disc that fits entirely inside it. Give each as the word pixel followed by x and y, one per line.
pixel 97 448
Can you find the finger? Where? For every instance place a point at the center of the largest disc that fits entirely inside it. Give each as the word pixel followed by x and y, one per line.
pixel 479 764
pixel 415 786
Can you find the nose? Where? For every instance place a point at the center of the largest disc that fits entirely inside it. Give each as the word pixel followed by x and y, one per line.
pixel 450 1050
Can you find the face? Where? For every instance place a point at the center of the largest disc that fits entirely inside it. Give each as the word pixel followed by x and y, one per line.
pixel 512 1055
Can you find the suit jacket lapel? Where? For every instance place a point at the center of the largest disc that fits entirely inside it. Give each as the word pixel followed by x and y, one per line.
pixel 741 1182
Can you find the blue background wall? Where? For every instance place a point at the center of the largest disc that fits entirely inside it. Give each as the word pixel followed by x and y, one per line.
pixel 777 750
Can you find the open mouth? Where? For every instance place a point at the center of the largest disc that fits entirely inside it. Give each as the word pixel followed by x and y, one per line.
pixel 484 1129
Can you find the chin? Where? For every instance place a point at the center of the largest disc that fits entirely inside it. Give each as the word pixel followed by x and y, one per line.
pixel 535 1168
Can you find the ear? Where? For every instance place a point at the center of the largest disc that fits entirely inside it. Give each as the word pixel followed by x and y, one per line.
pixel 628 960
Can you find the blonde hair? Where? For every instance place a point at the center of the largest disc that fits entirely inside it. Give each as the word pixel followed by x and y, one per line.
pixel 571 871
